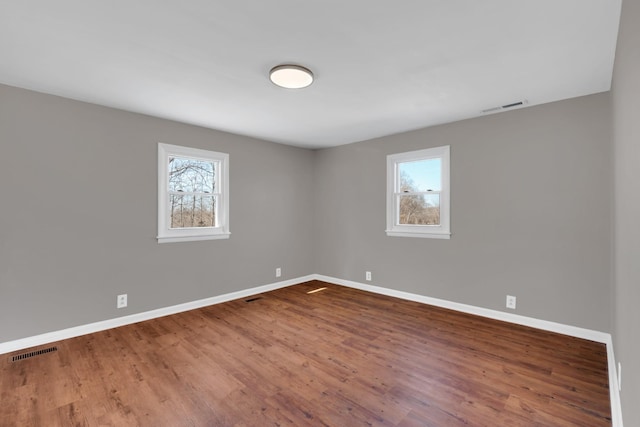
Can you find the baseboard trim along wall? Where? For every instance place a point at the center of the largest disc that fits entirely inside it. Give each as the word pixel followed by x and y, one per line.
pixel 602 337
pixel 560 328
pixel 90 328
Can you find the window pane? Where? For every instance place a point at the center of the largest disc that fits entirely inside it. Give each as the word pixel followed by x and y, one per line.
pixel 419 209
pixel 421 175
pixel 191 175
pixel 192 211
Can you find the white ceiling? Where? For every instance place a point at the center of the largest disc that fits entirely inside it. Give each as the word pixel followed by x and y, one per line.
pixel 381 67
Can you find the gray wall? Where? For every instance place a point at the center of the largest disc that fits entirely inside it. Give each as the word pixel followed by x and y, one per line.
pixel 78 216
pixel 626 119
pixel 531 213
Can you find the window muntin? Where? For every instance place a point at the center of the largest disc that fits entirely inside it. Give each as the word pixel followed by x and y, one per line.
pixel 418 193
pixel 192 194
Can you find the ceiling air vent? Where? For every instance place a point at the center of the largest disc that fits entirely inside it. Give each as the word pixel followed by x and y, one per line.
pixel 515 104
pixel 505 107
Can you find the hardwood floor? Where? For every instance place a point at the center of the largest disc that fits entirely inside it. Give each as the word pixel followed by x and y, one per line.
pixel 337 357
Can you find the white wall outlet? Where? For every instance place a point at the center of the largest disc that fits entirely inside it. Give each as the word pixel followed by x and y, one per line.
pixel 122 301
pixel 619 376
pixel 511 302
pixel 368 276
pixel 278 272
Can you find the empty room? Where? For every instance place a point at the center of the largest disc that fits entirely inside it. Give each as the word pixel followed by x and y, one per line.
pixel 316 213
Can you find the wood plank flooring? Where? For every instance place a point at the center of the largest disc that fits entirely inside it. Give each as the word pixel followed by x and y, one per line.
pixel 337 357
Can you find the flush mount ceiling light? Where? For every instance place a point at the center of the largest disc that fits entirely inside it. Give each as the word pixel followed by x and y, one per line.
pixel 291 76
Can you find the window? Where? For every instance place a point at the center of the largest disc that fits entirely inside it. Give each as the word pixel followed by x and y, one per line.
pixel 193 194
pixel 418 193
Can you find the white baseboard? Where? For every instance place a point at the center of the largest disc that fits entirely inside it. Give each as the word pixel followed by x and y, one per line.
pixel 614 387
pixel 574 331
pixel 42 339
pixel 560 328
pixel 602 337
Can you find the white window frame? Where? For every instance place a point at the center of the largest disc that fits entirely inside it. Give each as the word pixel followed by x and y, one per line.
pixel 221 230
pixel 394 228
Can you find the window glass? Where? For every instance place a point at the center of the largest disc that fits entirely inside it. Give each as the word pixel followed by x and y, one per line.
pixel 192 211
pixel 421 209
pixel 191 175
pixel 421 175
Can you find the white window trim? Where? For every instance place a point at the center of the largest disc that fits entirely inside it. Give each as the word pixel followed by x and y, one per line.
pixel 441 231
pixel 167 234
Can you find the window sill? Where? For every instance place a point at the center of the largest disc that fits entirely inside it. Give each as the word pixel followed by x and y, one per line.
pixel 171 239
pixel 393 233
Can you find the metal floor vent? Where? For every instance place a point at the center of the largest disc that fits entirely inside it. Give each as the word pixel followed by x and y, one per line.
pixel 252 299
pixel 33 354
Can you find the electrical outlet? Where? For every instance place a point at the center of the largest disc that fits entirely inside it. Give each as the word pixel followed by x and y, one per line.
pixel 511 302
pixel 278 272
pixel 619 376
pixel 122 301
pixel 368 276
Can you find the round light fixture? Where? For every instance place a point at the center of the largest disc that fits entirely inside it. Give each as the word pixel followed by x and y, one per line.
pixel 291 76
